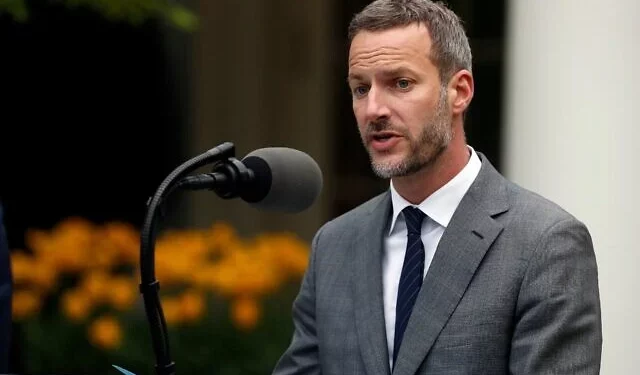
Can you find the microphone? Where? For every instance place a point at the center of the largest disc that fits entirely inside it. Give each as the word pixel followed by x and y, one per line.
pixel 273 178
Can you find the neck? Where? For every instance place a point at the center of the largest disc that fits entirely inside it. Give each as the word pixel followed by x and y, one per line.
pixel 416 187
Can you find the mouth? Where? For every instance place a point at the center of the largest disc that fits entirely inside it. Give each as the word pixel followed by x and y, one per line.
pixel 382 136
pixel 384 140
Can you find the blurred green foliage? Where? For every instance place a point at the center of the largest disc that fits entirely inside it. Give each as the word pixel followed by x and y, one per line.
pixel 132 11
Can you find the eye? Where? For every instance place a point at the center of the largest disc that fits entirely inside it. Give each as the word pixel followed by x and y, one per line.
pixel 403 83
pixel 360 91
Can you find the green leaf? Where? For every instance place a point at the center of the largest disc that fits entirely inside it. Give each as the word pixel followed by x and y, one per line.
pixel 182 18
pixel 16 8
pixel 132 11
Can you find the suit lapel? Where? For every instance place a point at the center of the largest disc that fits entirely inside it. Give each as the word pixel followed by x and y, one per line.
pixel 367 289
pixel 464 243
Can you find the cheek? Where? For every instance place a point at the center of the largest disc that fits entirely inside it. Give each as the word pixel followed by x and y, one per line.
pixel 359 112
pixel 408 114
pixel 417 113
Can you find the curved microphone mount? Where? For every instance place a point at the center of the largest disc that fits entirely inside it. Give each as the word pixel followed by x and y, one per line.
pixel 227 165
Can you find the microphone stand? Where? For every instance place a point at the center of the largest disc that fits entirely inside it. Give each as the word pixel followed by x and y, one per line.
pixel 149 286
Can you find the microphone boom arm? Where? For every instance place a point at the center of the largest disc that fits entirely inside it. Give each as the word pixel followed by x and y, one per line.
pixel 149 286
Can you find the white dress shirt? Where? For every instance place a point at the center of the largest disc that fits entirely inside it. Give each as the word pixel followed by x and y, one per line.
pixel 439 208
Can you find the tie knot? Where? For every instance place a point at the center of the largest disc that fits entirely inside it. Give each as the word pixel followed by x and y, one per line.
pixel 413 216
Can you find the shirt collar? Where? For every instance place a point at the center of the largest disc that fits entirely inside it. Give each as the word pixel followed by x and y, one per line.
pixel 441 205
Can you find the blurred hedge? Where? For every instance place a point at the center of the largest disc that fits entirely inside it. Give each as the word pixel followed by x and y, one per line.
pixel 226 300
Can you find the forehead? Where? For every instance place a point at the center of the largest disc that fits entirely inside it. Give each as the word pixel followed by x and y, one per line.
pixel 411 41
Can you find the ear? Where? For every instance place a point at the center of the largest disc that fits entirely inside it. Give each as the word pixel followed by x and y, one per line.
pixel 460 91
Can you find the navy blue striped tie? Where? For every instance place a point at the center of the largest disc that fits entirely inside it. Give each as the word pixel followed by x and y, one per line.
pixel 411 276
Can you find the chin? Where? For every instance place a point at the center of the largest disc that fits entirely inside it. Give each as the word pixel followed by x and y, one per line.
pixel 388 168
pixel 388 161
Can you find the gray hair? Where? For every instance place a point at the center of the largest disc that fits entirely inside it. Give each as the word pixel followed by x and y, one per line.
pixel 450 50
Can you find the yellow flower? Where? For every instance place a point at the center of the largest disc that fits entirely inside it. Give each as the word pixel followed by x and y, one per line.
pixel 172 267
pixel 192 305
pixel 172 310
pixel 188 307
pixel 204 277
pixel 67 246
pixel 222 238
pixel 105 332
pixel 122 292
pixel 95 285
pixel 104 256
pixel 21 267
pixel 76 305
pixel 245 272
pixel 125 240
pixel 191 244
pixel 63 257
pixel 177 254
pixel 43 275
pixel 24 304
pixel 39 241
pixel 31 271
pixel 285 252
pixel 215 259
pixel 245 313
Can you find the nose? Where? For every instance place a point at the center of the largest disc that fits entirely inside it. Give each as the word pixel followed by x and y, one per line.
pixel 377 107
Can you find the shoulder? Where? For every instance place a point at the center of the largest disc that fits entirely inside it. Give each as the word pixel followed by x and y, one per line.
pixel 535 210
pixel 535 224
pixel 529 220
pixel 521 205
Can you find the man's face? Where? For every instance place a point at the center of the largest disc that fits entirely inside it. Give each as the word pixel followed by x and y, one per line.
pixel 400 107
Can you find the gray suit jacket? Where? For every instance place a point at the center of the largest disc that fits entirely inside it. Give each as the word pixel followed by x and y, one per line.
pixel 512 289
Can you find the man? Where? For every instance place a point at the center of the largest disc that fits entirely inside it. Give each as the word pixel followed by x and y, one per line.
pixel 5 298
pixel 477 275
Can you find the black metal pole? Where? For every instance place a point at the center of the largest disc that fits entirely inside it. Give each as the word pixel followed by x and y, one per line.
pixel 149 286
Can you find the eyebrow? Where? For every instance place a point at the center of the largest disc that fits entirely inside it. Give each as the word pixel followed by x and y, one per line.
pixel 399 71
pixel 354 77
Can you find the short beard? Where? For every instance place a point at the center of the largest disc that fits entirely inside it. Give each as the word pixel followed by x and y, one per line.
pixel 425 151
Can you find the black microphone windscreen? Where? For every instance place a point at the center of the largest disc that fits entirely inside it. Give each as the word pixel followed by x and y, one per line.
pixel 286 179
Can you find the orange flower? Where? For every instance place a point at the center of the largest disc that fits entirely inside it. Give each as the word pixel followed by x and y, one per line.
pixel 39 241
pixel 76 305
pixel 222 238
pixel 67 246
pixel 32 271
pixel 285 253
pixel 204 277
pixel 190 243
pixel 175 258
pixel 21 267
pixel 172 310
pixel 122 292
pixel 215 259
pixel 293 257
pixel 105 333
pixel 245 313
pixel 43 275
pixel 245 272
pixel 104 256
pixel 192 306
pixel 95 285
pixel 24 304
pixel 125 240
